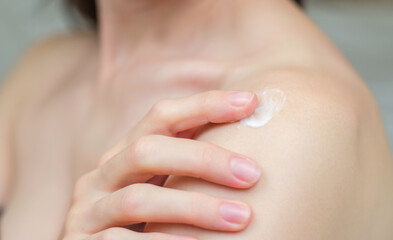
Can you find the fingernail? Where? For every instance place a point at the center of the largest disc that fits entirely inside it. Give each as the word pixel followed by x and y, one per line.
pixel 245 170
pixel 234 213
pixel 239 99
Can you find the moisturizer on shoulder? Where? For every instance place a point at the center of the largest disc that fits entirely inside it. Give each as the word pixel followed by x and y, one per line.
pixel 271 101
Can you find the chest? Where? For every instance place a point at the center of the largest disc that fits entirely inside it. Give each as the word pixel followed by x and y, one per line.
pixel 78 121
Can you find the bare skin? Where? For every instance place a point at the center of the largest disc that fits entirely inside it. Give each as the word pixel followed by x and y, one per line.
pixel 326 167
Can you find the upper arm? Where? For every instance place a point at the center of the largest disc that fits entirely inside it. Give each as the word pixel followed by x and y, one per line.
pixel 311 174
pixel 21 89
pixel 9 104
pixel 13 94
pixel 4 154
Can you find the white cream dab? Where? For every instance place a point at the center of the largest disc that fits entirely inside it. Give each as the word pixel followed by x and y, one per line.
pixel 271 101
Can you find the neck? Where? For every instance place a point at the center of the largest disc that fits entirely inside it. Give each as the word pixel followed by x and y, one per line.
pixel 183 29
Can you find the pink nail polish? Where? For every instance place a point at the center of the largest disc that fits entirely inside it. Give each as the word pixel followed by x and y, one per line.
pixel 234 213
pixel 245 170
pixel 240 99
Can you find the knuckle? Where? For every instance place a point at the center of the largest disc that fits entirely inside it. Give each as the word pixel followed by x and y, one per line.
pixel 209 96
pixel 208 99
pixel 139 149
pixel 81 186
pixel 206 156
pixel 74 219
pixel 132 198
pixel 161 108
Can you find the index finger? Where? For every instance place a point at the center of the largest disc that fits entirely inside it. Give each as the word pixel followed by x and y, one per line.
pixel 171 116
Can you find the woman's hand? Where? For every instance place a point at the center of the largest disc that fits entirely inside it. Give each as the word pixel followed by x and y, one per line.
pixel 125 188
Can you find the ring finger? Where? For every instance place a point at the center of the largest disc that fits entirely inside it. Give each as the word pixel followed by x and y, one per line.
pixel 149 203
pixel 160 155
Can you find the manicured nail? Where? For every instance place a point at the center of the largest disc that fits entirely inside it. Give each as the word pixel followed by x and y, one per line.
pixel 240 99
pixel 235 213
pixel 245 170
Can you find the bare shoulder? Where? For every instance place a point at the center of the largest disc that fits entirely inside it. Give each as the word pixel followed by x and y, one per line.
pixel 46 62
pixel 323 176
pixel 325 155
pixel 43 66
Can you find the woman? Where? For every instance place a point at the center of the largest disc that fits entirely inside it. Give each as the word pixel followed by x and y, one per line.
pixel 93 123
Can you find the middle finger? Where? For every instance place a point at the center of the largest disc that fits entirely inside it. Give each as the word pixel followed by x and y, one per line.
pixel 161 155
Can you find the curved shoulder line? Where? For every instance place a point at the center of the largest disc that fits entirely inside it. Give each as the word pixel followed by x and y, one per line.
pixel 21 86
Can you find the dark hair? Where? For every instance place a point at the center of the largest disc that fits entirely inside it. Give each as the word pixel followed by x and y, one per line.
pixel 88 8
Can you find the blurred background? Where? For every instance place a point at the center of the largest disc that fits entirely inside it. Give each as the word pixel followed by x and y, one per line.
pixel 362 29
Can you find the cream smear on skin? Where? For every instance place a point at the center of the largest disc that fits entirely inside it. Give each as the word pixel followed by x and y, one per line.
pixel 271 101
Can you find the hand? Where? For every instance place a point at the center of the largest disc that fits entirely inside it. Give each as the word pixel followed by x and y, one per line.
pixel 119 192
